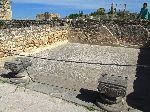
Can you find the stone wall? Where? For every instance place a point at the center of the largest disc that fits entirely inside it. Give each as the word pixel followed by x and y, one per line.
pixel 112 33
pixel 28 23
pixel 16 40
pixel 20 35
pixel 5 10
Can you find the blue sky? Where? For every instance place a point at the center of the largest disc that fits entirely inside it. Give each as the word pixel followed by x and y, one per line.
pixel 23 9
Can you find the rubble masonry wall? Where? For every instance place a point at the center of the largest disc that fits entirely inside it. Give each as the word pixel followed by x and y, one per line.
pixel 19 36
pixel 112 33
pixel 16 40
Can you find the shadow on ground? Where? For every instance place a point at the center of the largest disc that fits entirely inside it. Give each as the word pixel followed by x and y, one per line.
pixel 87 95
pixel 9 75
pixel 140 98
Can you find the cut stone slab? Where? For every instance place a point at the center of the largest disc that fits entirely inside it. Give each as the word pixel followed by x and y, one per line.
pixel 18 100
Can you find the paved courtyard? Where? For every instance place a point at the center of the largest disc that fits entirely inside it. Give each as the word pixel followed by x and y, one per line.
pixel 71 69
pixel 77 66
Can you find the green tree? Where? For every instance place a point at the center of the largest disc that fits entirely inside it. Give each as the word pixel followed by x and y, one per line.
pixel 73 16
pixel 101 11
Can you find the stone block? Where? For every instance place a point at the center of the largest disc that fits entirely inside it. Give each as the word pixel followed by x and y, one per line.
pixel 112 89
pixel 2 54
pixel 18 65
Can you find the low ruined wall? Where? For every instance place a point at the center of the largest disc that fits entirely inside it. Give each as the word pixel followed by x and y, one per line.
pixel 19 36
pixel 16 40
pixel 112 33
pixel 27 23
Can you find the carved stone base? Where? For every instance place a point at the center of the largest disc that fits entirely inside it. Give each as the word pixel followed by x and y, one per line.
pixel 119 107
pixel 20 80
pixel 112 90
pixel 18 68
pixel 110 100
pixel 18 65
pixel 21 75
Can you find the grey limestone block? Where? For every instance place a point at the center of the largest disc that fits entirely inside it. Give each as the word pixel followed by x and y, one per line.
pixel 113 85
pixel 18 65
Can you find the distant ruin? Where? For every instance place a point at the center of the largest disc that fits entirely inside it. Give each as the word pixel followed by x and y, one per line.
pixel 47 16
